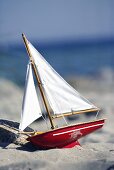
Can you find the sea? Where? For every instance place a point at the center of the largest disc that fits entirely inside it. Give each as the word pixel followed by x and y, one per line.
pixel 69 59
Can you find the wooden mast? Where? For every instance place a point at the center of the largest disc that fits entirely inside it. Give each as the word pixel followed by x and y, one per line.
pixel 38 79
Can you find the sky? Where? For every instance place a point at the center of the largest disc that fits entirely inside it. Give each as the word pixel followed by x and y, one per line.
pixel 56 20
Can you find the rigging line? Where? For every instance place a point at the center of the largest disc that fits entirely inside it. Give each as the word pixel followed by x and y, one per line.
pixel 64 119
pixel 97 114
pixel 45 120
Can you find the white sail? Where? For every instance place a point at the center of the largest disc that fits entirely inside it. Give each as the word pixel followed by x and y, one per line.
pixel 30 108
pixel 62 97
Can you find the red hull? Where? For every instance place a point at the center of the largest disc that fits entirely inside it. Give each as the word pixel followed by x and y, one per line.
pixel 65 137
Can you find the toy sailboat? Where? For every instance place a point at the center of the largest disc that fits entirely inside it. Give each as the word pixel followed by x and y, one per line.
pixel 58 99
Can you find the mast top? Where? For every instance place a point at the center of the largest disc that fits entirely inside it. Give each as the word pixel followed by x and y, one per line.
pixel 23 35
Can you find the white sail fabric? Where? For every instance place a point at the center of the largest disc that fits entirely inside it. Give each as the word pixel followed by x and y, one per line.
pixel 62 97
pixel 30 108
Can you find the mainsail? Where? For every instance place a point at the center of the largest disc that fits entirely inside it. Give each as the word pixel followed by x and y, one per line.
pixel 31 107
pixel 61 96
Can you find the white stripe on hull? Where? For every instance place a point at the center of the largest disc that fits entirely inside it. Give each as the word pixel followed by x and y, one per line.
pixel 77 129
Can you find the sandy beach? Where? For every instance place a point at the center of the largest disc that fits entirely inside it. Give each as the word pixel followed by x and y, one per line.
pixel 96 150
pixel 90 156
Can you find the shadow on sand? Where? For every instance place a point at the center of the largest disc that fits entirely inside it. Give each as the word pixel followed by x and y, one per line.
pixel 10 138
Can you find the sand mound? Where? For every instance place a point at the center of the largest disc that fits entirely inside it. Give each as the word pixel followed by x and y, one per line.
pixel 88 157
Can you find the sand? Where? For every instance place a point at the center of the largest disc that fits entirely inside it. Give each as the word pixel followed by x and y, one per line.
pixel 90 156
pixel 96 150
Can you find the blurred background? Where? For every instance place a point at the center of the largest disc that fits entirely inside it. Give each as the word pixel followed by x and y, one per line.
pixel 75 36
